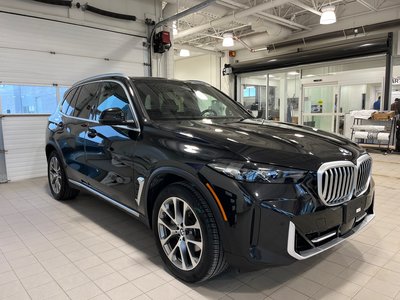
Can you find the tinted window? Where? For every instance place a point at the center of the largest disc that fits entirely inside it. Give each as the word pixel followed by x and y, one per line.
pixel 178 100
pixel 87 99
pixel 113 95
pixel 67 101
pixel 72 102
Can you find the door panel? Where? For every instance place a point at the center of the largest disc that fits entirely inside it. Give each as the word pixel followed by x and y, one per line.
pixel 71 141
pixel 109 158
pixel 70 135
pixel 110 149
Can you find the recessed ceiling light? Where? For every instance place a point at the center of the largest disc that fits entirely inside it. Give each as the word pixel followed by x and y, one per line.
pixel 293 73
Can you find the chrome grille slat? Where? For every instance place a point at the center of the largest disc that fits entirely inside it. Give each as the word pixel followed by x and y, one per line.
pixel 335 184
pixel 325 186
pixel 330 184
pixel 346 176
pixel 339 181
pixel 348 179
pixel 363 176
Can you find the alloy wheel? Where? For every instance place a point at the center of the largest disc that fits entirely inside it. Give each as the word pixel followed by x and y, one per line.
pixel 180 233
pixel 55 174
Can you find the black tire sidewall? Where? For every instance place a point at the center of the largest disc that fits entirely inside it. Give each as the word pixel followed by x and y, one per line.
pixel 202 270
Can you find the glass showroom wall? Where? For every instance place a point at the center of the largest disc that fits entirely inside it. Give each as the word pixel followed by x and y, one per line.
pixel 319 95
pixel 272 95
pixel 29 99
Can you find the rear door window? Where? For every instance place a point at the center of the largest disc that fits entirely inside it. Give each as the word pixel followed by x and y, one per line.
pixel 86 100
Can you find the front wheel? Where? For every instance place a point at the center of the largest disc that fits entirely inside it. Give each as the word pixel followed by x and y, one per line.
pixel 186 234
pixel 58 181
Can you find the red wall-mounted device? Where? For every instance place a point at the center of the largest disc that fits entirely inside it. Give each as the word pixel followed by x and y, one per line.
pixel 161 42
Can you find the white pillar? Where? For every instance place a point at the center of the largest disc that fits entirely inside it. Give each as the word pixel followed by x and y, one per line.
pixel 283 98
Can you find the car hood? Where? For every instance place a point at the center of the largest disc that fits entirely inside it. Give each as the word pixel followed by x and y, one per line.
pixel 268 142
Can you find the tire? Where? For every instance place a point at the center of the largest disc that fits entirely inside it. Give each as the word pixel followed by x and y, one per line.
pixel 188 243
pixel 58 181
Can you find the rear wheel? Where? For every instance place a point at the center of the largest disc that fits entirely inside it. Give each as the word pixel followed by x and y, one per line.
pixel 58 181
pixel 186 234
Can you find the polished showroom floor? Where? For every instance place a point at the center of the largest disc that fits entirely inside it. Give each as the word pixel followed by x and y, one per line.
pixel 86 249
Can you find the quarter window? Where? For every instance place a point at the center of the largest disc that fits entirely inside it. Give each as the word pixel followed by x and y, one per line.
pixel 72 101
pixel 67 101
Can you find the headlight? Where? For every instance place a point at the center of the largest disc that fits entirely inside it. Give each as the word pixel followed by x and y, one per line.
pixel 251 172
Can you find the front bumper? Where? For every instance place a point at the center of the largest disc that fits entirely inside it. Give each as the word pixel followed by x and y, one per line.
pixel 283 238
pixel 279 224
pixel 300 255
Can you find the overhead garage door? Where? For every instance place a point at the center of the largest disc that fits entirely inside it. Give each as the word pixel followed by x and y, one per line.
pixel 35 51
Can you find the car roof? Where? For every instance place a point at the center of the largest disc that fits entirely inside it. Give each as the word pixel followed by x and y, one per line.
pixel 132 78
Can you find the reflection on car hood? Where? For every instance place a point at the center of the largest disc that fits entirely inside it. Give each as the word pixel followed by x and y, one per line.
pixel 270 142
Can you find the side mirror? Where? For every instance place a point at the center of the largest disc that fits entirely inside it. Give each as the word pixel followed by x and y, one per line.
pixel 112 116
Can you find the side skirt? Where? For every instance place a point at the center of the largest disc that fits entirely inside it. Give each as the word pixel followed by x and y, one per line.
pixel 104 197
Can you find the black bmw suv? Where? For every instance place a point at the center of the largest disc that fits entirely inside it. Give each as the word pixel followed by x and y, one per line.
pixel 216 185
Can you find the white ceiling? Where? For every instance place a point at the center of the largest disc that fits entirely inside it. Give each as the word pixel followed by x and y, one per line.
pixel 260 22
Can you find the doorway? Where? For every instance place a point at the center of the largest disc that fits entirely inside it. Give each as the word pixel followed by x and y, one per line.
pixel 320 105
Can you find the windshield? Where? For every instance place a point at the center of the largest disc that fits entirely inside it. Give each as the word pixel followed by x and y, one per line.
pixel 173 100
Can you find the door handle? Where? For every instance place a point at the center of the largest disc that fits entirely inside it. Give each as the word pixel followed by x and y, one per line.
pixel 92 133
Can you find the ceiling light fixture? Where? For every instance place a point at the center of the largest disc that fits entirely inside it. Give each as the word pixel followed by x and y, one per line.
pixel 174 28
pixel 228 40
pixel 328 15
pixel 184 53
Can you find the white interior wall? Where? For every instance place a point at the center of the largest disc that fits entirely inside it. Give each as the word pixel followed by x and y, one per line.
pixel 204 67
pixel 351 97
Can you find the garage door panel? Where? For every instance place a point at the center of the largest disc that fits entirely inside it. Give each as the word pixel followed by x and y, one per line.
pixel 23 167
pixel 45 35
pixel 45 52
pixel 24 141
pixel 39 67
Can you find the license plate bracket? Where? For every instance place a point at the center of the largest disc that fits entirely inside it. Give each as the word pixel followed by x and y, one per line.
pixel 354 209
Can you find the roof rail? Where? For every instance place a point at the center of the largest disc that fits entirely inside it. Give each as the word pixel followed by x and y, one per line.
pixel 100 77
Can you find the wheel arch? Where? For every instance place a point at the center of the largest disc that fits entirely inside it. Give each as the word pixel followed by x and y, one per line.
pixel 50 147
pixel 164 176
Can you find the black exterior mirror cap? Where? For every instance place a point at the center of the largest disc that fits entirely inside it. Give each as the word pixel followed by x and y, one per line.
pixel 113 116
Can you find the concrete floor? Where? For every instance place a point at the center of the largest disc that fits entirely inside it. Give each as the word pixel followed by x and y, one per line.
pixel 86 249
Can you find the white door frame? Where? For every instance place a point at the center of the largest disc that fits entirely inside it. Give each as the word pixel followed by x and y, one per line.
pixel 335 114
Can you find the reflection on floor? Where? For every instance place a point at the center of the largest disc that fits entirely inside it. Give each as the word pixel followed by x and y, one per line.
pixel 86 249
